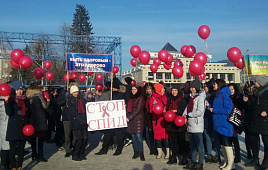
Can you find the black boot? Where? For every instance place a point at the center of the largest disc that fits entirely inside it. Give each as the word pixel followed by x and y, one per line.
pixel 5 159
pixel 209 159
pixel 216 159
pixel 40 150
pixel 142 156
pixel 190 165
pixel 82 152
pixel 77 150
pixel 183 161
pixel 136 155
pixel 101 152
pixel 172 160
pixel 33 146
pixel 263 166
pixel 253 163
pixel 198 167
pixel 237 160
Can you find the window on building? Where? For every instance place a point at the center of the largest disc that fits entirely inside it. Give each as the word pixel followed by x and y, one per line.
pixel 230 77
pixel 214 75
pixel 188 76
pixel 150 76
pixel 222 76
pixel 168 76
pixel 159 76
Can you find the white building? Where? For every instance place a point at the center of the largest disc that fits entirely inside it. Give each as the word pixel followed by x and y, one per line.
pixel 230 74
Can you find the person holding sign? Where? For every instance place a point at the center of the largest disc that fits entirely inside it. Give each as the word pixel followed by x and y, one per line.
pixel 135 119
pixel 76 105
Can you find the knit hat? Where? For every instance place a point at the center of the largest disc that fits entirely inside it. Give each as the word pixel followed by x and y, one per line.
pixel 74 89
pixel 177 86
pixel 116 84
pixel 158 87
pixel 16 85
pixel 128 80
pixel 195 84
pixel 262 79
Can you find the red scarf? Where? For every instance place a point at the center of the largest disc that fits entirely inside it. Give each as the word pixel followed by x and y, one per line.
pixel 191 104
pixel 129 105
pixel 173 104
pixel 80 106
pixel 147 104
pixel 20 100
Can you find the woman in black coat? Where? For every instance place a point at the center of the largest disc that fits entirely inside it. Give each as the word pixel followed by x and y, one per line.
pixel 177 104
pixel 135 119
pixel 37 119
pixel 76 105
pixel 17 107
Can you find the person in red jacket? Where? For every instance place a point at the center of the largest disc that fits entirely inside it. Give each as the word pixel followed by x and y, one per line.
pixel 158 121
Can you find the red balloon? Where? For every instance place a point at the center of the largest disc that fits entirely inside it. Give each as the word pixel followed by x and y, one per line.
pixel 5 89
pixel 90 73
pixel 154 68
pixel 169 116
pixel 99 77
pixel 25 62
pixel 202 76
pixel 49 76
pixel 133 82
pixel 170 59
pixel 157 61
pixel 191 73
pixel 74 72
pixel 203 32
pixel 158 108
pixel 99 86
pixel 234 54
pixel 38 73
pixel 163 55
pixel 16 54
pixel 167 67
pixel 201 57
pixel 15 65
pixel 82 77
pixel 241 63
pixel 178 63
pixel 28 130
pixel 183 49
pixel 45 95
pixel 67 76
pixel 144 57
pixel 144 82
pixel 135 51
pixel 196 67
pixel 179 121
pixel 115 69
pixel 177 71
pixel 134 62
pixel 73 76
pixel 47 64
pixel 190 51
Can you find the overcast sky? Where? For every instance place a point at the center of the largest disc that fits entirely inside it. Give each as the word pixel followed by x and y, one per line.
pixel 151 24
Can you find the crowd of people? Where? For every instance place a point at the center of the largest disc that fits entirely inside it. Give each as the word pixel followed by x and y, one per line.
pixel 204 107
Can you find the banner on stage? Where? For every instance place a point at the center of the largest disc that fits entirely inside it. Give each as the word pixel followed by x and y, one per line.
pixel 256 64
pixel 89 62
pixel 106 115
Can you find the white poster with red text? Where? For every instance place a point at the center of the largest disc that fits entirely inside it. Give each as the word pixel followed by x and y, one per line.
pixel 106 115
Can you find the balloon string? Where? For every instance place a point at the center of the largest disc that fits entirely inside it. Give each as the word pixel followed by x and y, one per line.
pixel 37 64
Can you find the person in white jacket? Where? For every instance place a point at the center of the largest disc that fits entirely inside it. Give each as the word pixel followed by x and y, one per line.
pixel 3 130
pixel 194 113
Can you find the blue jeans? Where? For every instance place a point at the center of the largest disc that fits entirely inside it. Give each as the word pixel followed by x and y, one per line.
pixel 196 143
pixel 137 142
pixel 208 138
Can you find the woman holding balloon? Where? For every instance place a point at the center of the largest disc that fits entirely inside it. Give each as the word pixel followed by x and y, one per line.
pixel 158 104
pixel 176 105
pixel 17 108
pixel 37 119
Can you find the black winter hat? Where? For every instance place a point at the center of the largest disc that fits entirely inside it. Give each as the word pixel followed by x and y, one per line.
pixel 128 80
pixel 177 86
pixel 195 84
pixel 116 85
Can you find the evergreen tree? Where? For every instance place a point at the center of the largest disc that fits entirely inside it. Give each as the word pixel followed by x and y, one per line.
pixel 82 26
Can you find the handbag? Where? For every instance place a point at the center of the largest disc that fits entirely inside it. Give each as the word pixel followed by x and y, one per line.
pixel 235 117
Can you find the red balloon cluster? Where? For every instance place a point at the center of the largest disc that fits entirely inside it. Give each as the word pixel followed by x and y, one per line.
pixel 197 66
pixel 188 51
pixel 18 59
pixel 5 89
pixel 234 55
pixel 204 32
pixel 179 121
pixel 169 116
pixel 158 108
pixel 28 130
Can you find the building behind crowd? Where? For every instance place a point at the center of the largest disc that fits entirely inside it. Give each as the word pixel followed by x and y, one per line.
pixel 217 70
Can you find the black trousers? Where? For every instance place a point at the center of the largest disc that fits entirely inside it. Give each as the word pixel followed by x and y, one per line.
pixel 108 135
pixel 247 143
pixel 80 144
pixel 178 138
pixel 19 145
pixel 40 147
pixel 235 142
pixel 59 136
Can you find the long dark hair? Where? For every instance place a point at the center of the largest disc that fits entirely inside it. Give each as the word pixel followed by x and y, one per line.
pixel 236 90
pixel 221 84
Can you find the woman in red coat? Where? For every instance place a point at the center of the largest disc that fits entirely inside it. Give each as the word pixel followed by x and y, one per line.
pixel 159 123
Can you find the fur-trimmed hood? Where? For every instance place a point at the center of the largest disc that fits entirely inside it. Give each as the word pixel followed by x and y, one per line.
pixel 30 93
pixel 122 89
